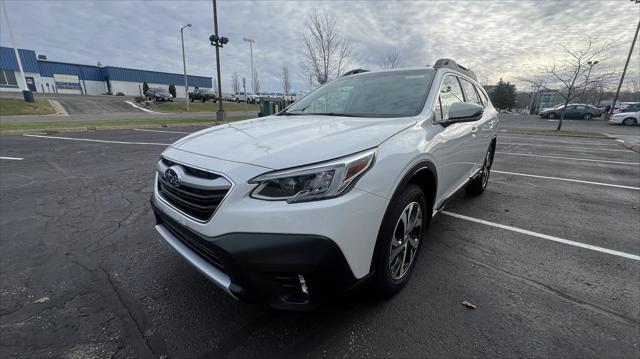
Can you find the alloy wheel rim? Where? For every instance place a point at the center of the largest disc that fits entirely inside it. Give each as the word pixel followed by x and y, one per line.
pixel 406 237
pixel 486 167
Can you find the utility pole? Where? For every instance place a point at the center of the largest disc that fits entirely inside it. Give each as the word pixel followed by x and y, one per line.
pixel 218 42
pixel 184 66
pixel 615 99
pixel 28 96
pixel 251 42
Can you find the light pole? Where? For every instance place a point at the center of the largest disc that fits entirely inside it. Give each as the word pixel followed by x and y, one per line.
pixel 615 98
pixel 218 42
pixel 586 83
pixel 28 96
pixel 184 66
pixel 251 42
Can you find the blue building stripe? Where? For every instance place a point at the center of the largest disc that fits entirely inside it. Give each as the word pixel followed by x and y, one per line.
pixel 45 68
pixel 28 57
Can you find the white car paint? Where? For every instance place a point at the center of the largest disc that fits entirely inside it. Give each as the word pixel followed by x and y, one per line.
pixel 618 118
pixel 246 149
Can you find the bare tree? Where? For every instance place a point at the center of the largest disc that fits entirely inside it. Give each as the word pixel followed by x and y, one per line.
pixel 235 83
pixel 256 82
pixel 571 73
pixel 391 60
pixel 285 79
pixel 324 50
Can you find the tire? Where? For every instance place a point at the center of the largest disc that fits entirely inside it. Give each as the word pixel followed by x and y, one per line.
pixel 551 116
pixel 191 99
pixel 203 100
pixel 629 121
pixel 587 116
pixel 479 184
pixel 395 258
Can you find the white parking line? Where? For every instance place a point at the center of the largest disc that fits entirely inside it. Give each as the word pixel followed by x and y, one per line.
pixel 561 139
pixel 544 236
pixel 145 130
pixel 567 180
pixel 564 147
pixel 144 109
pixel 569 158
pixel 100 141
pixel 11 158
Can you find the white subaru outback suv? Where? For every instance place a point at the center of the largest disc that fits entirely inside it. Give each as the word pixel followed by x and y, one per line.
pixel 333 192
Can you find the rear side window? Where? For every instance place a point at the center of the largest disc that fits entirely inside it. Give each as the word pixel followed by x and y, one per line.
pixel 470 94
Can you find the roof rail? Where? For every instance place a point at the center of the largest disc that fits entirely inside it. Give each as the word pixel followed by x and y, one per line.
pixel 451 64
pixel 353 72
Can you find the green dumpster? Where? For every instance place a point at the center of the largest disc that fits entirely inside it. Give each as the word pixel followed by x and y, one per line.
pixel 270 106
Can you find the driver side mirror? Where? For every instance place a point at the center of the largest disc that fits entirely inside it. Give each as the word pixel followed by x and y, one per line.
pixel 464 112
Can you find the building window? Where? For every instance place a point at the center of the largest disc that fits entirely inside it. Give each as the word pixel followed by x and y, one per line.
pixel 8 78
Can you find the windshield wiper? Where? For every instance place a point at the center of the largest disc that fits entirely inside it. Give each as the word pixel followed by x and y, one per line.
pixel 285 113
pixel 333 114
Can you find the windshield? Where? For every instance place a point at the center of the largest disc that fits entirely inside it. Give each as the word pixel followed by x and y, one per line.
pixel 382 94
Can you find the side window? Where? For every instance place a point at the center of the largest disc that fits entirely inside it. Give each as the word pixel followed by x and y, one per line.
pixel 450 93
pixel 580 107
pixel 470 94
pixel 483 96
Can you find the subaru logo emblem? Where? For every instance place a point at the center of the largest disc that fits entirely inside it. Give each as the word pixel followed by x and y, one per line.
pixel 172 175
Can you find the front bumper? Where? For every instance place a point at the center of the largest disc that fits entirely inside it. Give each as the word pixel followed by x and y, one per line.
pixel 287 271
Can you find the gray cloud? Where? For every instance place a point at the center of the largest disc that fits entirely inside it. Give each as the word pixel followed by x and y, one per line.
pixel 505 39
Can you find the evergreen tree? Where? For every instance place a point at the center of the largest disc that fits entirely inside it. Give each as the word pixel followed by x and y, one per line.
pixel 145 87
pixel 503 96
pixel 172 90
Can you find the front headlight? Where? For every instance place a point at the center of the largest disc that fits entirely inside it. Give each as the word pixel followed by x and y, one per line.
pixel 319 181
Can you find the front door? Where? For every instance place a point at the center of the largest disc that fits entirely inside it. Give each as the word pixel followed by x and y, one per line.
pixel 31 84
pixel 455 143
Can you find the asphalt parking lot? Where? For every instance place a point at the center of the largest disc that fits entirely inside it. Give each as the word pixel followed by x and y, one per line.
pixel 549 254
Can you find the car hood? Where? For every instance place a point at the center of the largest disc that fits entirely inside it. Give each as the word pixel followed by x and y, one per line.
pixel 279 142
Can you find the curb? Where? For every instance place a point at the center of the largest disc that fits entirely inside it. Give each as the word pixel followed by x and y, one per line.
pixel 105 128
pixel 633 147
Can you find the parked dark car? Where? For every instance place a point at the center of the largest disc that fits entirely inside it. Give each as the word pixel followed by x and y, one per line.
pixel 581 111
pixel 202 95
pixel 158 94
pixel 632 107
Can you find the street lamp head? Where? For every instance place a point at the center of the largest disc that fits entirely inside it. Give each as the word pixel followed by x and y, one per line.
pixel 188 25
pixel 248 40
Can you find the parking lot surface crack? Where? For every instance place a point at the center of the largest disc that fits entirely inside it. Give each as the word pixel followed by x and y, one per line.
pixel 583 303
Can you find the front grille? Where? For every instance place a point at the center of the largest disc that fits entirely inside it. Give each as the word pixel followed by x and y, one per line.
pixel 197 245
pixel 196 202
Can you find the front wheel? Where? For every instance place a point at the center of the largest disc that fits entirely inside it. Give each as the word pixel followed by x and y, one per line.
pixel 629 121
pixel 399 240
pixel 479 183
pixel 551 116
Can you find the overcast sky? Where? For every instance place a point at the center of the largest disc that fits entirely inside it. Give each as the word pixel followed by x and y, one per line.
pixel 507 39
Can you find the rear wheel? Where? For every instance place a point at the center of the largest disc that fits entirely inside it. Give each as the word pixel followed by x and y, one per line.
pixel 587 116
pixel 399 240
pixel 479 184
pixel 630 121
